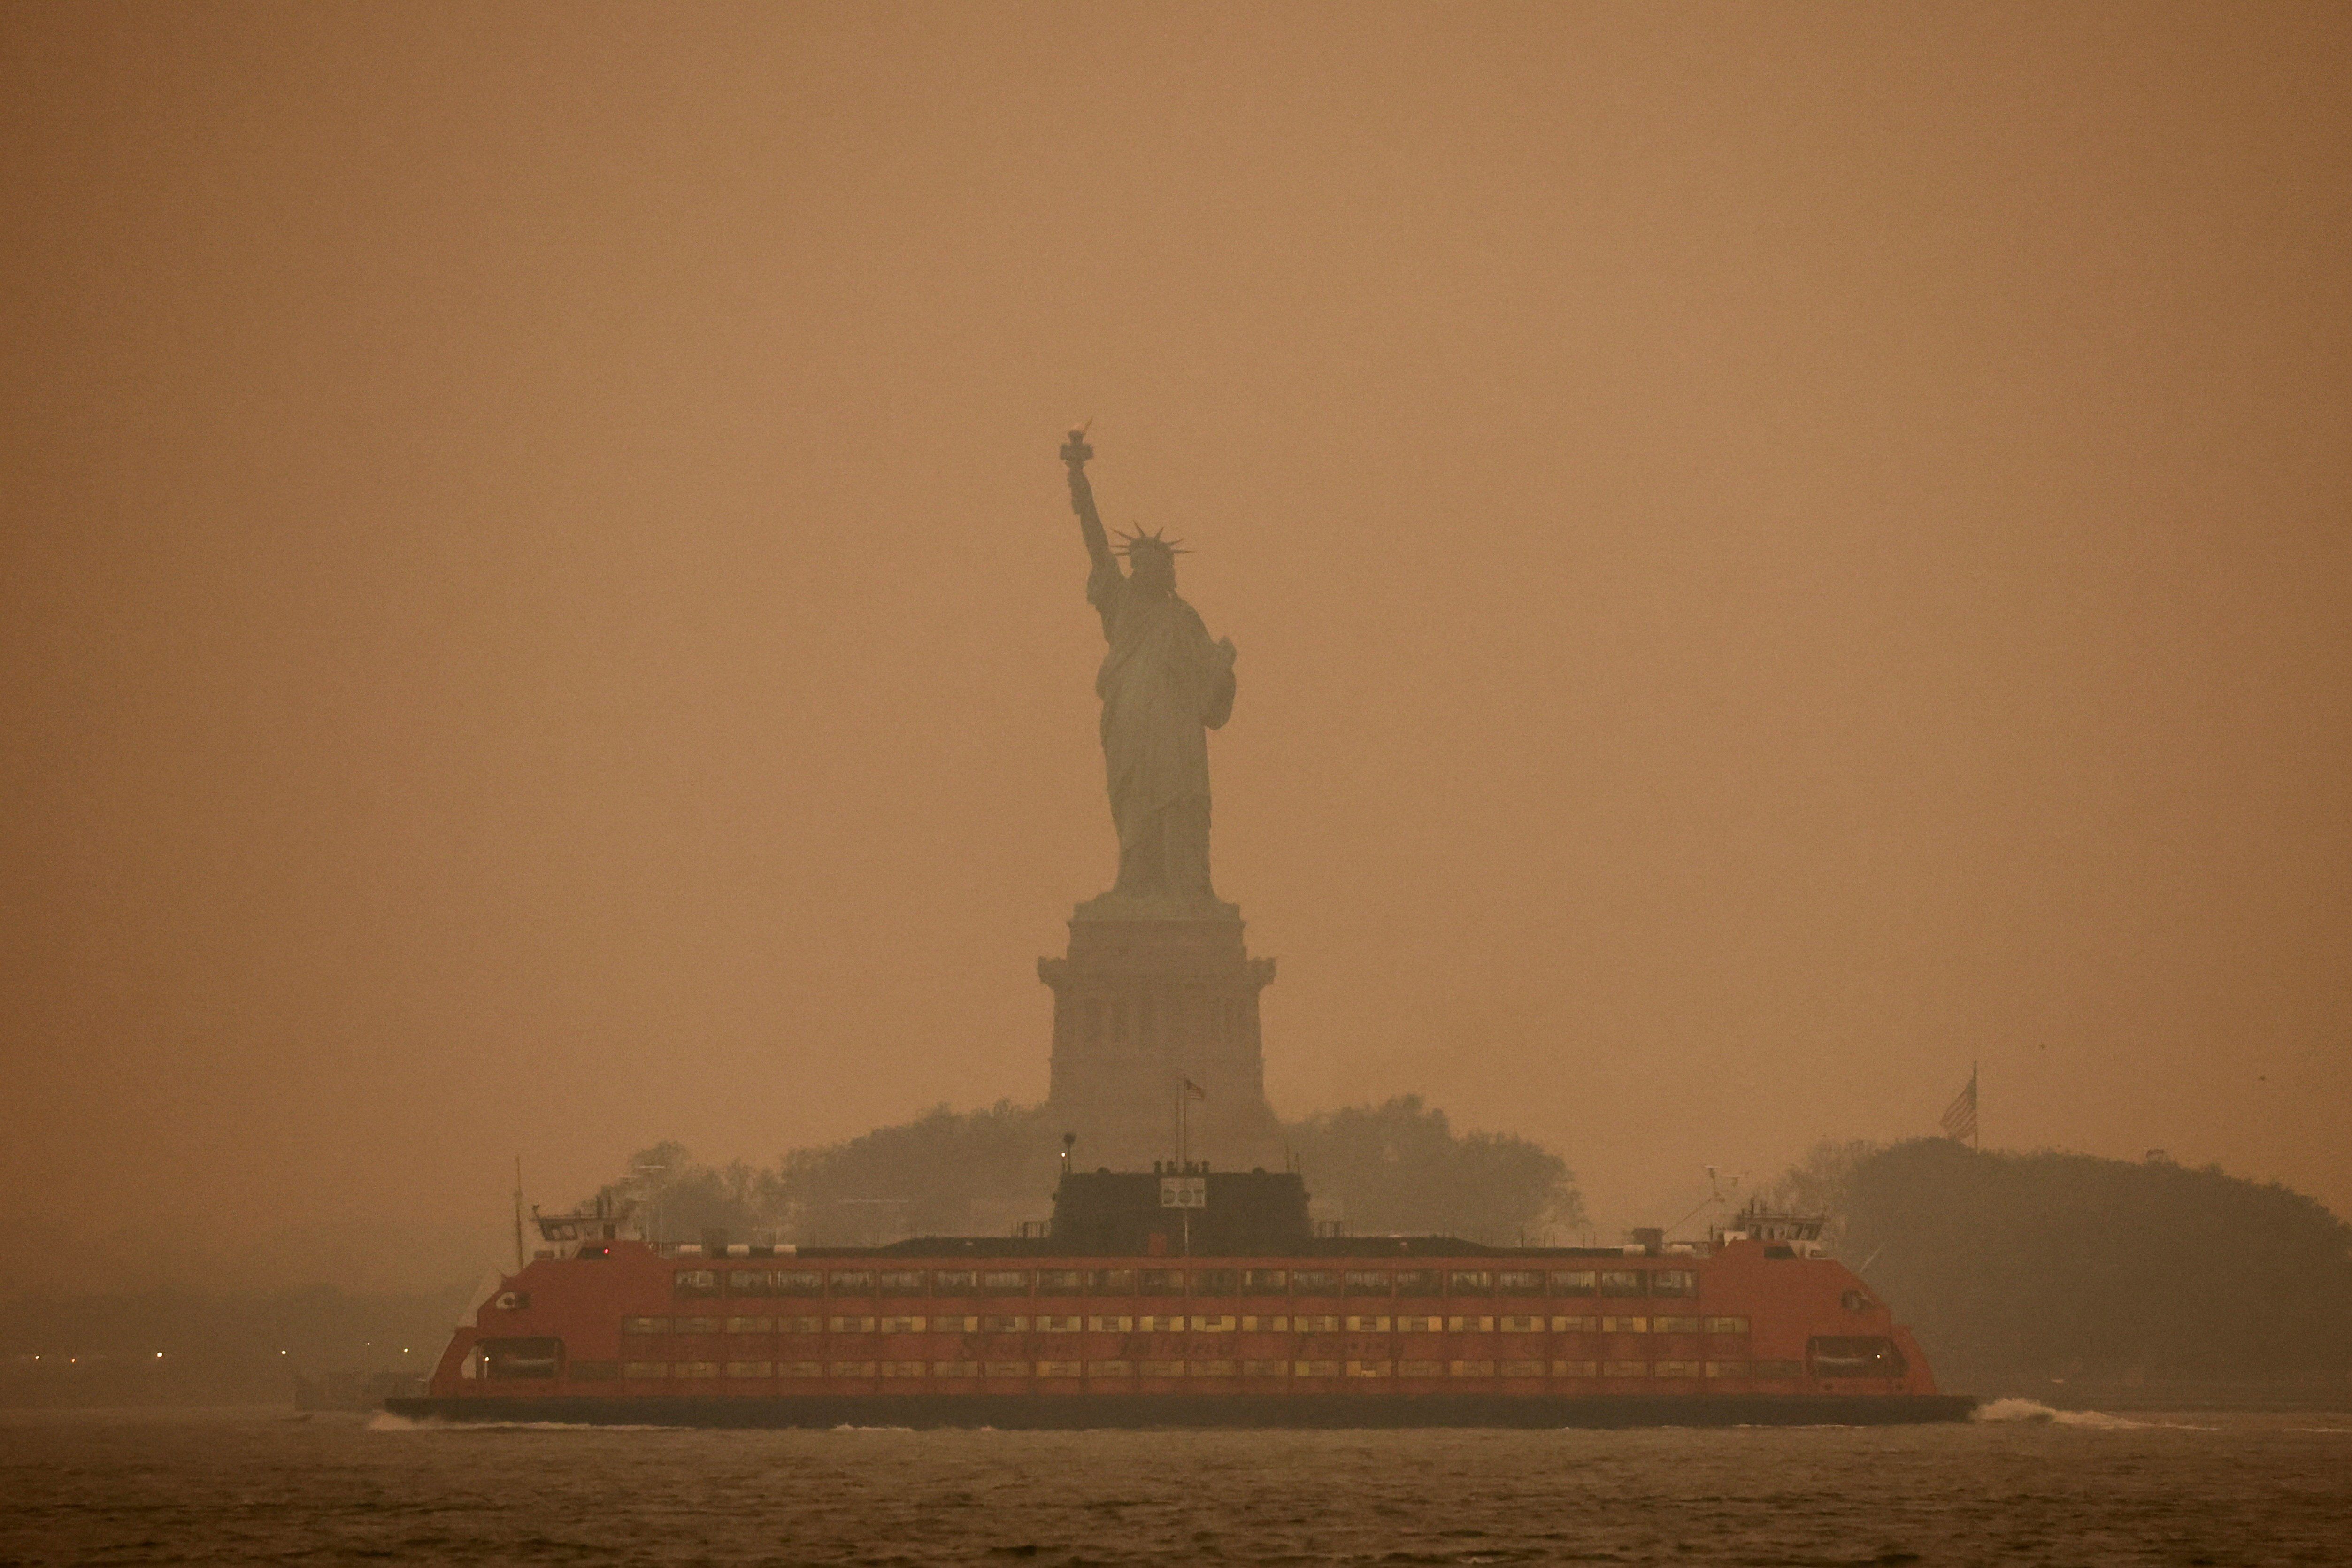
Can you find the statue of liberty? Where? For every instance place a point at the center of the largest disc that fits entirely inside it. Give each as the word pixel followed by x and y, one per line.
pixel 1163 684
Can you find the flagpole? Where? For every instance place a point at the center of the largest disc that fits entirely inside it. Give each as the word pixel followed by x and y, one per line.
pixel 1976 1108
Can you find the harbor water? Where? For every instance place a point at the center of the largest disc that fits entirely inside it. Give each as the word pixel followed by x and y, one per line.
pixel 2026 1485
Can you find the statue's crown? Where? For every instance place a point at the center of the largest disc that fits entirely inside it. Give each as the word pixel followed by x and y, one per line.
pixel 1129 543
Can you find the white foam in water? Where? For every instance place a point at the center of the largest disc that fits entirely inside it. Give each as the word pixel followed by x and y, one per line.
pixel 2033 1412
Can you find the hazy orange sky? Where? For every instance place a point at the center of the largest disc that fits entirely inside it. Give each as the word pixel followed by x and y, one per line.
pixel 1775 551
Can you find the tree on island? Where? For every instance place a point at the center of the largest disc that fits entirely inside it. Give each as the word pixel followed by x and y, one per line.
pixel 1395 1167
pixel 2024 1272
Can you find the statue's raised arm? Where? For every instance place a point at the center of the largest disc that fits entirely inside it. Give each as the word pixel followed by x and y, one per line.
pixel 1075 453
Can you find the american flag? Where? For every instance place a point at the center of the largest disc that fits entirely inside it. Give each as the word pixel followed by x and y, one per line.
pixel 1194 1092
pixel 1960 1117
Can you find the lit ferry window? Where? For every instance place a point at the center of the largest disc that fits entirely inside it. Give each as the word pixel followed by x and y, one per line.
pixel 1110 1281
pixel 797 1282
pixel 1313 1283
pixel 1217 1281
pixel 1061 1281
pixel 1368 1282
pixel 1574 1282
pixel 1417 1282
pixel 1005 1282
pixel 1726 1325
pixel 748 1282
pixel 904 1282
pixel 697 1282
pixel 1621 1281
pixel 1160 1282
pixel 1264 1282
pixel 853 1282
pixel 644 1325
pixel 1518 1282
pixel 1674 1282
pixel 1470 1282
pixel 955 1282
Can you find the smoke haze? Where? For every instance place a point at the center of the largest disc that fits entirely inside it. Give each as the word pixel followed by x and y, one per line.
pixel 1775 552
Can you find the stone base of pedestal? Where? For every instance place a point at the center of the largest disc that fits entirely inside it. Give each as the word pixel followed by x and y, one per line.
pixel 1143 1002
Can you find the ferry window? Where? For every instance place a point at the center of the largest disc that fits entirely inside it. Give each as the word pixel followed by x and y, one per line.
pixel 1726 1369
pixel 851 1325
pixel 1371 1368
pixel 1316 1325
pixel 1315 1369
pixel 1576 1369
pixel 1061 1325
pixel 1621 1281
pixel 1523 1325
pixel 521 1358
pixel 1211 1369
pixel 1470 1369
pixel 1677 1369
pixel 1161 1368
pixel 1674 1282
pixel 955 1282
pixel 1060 1281
pixel 696 1369
pixel 644 1368
pixel 1314 1282
pixel 1674 1325
pixel 1110 1281
pixel 1005 1325
pixel 797 1282
pixel 1110 1325
pixel 800 1325
pixel 593 1371
pixel 852 1369
pixel 747 1282
pixel 1857 1357
pixel 644 1325
pixel 1422 1368
pixel 902 1325
pixel 1624 1369
pixel 751 1369
pixel 697 1282
pixel 1779 1369
pixel 1523 1369
pixel 1264 1368
pixel 955 1325
pixel 1057 1369
pixel 854 1282
pixel 1160 1282
pixel 955 1369
pixel 1573 1282
pixel 1264 1282
pixel 1518 1282
pixel 1726 1325
pixel 902 1369
pixel 1110 1369
pixel 1217 1281
pixel 1575 1325
pixel 1005 1282
pixel 904 1282
pixel 751 1325
pixel 1368 1282
pixel 695 1325
pixel 1005 1368
pixel 1470 1282
pixel 1417 1282
pixel 1624 1325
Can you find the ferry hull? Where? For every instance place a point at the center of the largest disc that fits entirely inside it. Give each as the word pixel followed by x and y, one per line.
pixel 1204 1411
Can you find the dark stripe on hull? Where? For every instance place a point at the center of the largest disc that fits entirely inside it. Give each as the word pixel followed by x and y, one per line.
pixel 1066 1413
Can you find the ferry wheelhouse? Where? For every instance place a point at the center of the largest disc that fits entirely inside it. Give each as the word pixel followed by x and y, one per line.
pixel 1184 1297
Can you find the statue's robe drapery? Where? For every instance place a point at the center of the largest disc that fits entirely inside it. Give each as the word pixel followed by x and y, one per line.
pixel 1163 684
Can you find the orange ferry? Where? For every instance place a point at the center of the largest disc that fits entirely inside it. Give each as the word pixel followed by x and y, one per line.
pixel 1184 1297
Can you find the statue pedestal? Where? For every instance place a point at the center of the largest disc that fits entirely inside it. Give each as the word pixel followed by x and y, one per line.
pixel 1149 995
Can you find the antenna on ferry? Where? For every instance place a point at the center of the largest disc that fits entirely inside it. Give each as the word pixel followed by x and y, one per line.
pixel 518 1214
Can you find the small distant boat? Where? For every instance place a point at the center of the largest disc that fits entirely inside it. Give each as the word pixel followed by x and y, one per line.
pixel 1184 1297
